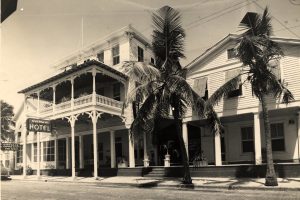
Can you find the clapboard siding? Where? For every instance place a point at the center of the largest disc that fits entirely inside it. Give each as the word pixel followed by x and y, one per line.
pixel 216 65
pixel 290 66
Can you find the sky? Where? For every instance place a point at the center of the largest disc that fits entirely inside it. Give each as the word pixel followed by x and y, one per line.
pixel 42 32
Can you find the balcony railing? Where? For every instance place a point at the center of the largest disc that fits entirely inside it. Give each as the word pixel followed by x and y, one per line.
pixel 82 101
pixel 108 101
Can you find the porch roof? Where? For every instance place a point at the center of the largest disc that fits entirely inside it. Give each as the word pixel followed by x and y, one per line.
pixel 73 70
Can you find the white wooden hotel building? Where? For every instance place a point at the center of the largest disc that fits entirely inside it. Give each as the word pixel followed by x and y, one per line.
pixel 84 102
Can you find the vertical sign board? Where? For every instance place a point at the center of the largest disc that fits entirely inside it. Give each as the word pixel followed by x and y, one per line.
pixel 39 125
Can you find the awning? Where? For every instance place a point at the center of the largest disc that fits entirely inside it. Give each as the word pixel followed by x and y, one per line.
pixel 200 86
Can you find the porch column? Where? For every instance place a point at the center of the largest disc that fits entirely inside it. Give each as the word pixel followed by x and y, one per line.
pixel 72 121
pixel 298 137
pixel 185 138
pixel 56 152
pixel 81 152
pixel 16 152
pixel 218 154
pixel 257 140
pixel 38 155
pixel 94 117
pixel 131 150
pixel 112 149
pixel 24 133
pixel 146 158
pixel 94 73
pixel 54 97
pixel 67 153
pixel 72 93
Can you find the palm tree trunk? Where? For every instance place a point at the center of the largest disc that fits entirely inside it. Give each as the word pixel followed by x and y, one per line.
pixel 178 123
pixel 271 179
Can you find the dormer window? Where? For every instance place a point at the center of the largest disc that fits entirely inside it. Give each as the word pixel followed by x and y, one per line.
pixel 140 54
pixel 116 55
pixel 231 53
pixel 100 56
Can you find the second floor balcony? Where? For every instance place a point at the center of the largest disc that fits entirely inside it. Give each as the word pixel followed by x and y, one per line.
pixel 78 90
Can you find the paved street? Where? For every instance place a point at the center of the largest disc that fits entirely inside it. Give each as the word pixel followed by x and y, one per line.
pixel 54 190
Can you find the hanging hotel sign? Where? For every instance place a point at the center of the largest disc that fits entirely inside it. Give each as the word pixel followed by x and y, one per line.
pixel 39 125
pixel 8 146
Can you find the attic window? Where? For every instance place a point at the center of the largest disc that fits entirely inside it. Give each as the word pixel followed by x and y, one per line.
pixel 231 53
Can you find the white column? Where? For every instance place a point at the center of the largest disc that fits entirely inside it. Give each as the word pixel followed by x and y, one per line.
pixel 17 141
pixel 81 152
pixel 218 154
pixel 54 97
pixel 38 155
pixel 257 140
pixel 67 153
pixel 185 138
pixel 72 122
pixel 146 158
pixel 94 73
pixel 112 149
pixel 95 143
pixel 72 93
pixel 298 137
pixel 56 152
pixel 24 134
pixel 131 150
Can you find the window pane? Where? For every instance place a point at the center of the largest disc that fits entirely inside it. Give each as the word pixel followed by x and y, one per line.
pixel 248 146
pixel 278 144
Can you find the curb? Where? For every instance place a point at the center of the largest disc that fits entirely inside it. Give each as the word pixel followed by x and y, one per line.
pixel 178 186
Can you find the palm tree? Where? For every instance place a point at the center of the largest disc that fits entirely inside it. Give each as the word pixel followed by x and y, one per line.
pixel 255 50
pixel 163 86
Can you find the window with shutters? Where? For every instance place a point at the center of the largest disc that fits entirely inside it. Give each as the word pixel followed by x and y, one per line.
pixel 100 56
pixel 35 152
pixel 116 55
pixel 231 53
pixel 230 75
pixel 49 150
pixel 277 134
pixel 140 54
pixel 200 87
pixel 20 154
pixel 247 139
pixel 152 61
pixel 275 68
pixel 117 91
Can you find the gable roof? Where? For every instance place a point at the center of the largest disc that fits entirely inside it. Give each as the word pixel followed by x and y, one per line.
pixel 231 38
pixel 73 70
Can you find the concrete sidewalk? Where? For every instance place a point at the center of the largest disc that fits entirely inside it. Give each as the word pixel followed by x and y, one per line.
pixel 291 184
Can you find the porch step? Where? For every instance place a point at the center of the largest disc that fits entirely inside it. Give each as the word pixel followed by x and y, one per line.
pixel 156 172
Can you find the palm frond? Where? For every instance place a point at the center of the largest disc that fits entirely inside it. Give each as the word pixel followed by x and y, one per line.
pixel 168 35
pixel 224 90
pixel 144 121
pixel 214 121
pixel 140 72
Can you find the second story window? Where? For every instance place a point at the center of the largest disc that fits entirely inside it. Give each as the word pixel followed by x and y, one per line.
pixel 117 91
pixel 275 69
pixel 116 55
pixel 200 87
pixel 230 75
pixel 140 54
pixel 100 56
pixel 152 61
pixel 231 53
